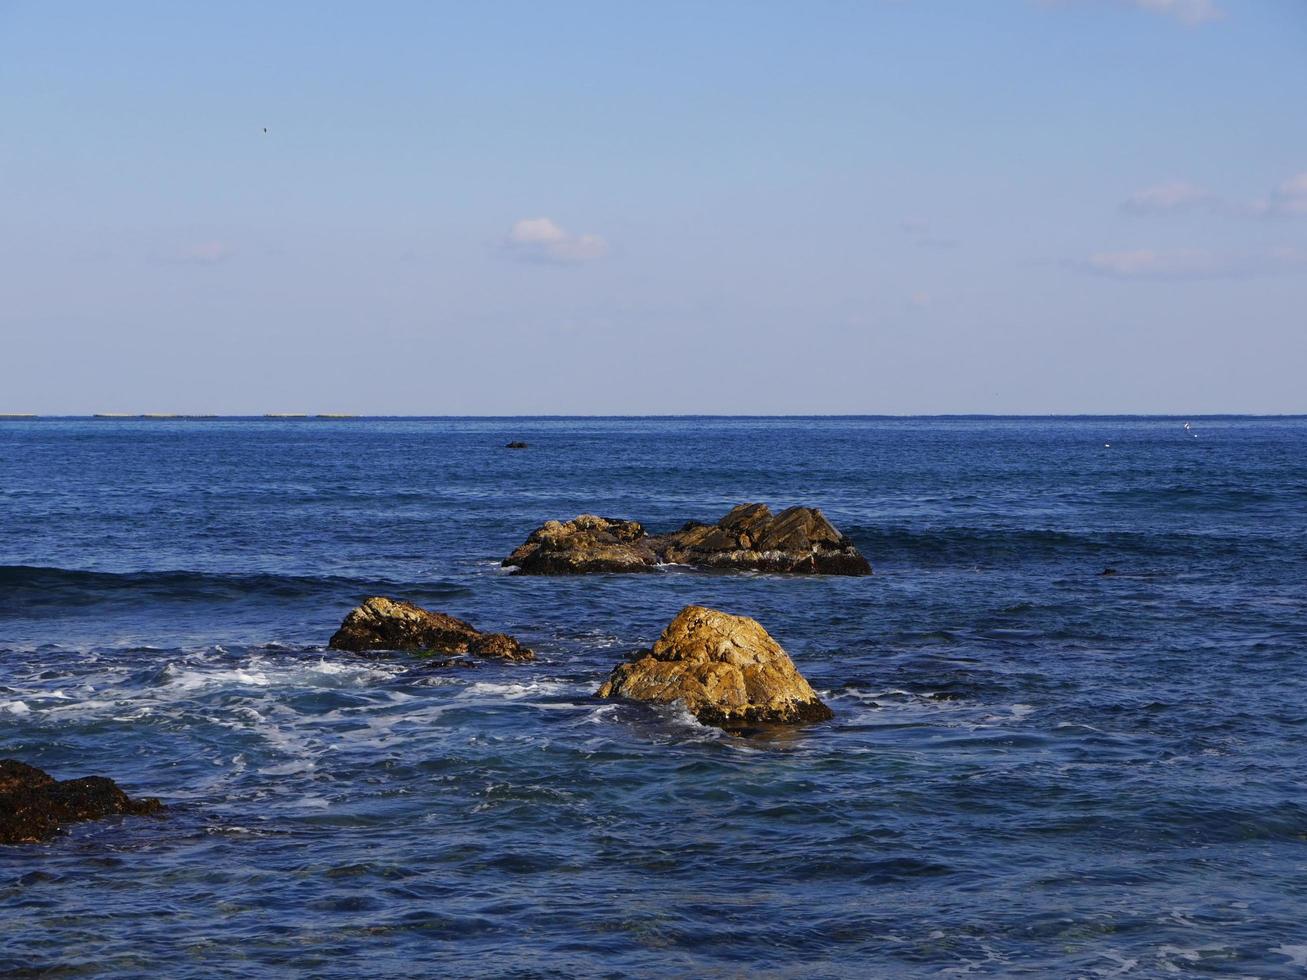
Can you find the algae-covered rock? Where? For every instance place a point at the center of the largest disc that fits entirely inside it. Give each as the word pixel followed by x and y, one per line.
pixel 34 805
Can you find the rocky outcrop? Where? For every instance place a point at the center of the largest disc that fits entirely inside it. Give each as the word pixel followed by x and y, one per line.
pixel 587 544
pixel 727 670
pixel 798 540
pixel 388 624
pixel 34 805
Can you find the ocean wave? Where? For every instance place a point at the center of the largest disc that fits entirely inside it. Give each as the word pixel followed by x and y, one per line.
pixel 28 590
pixel 954 546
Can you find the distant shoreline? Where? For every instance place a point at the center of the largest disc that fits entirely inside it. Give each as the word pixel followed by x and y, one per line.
pixel 343 417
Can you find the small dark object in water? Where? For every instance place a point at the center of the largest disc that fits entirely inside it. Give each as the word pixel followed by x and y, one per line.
pixel 1108 571
pixel 516 445
pixel 34 805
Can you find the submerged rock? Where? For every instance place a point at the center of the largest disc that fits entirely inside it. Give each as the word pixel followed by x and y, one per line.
pixel 388 624
pixel 726 669
pixel 798 540
pixel 515 445
pixel 34 805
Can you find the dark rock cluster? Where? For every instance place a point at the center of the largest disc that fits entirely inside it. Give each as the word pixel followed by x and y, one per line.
pixel 388 624
pixel 798 540
pixel 34 805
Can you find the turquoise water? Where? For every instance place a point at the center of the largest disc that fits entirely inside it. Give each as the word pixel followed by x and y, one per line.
pixel 1033 767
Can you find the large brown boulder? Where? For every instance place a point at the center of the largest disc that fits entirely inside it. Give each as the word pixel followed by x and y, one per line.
pixel 388 624
pixel 727 670
pixel 798 540
pixel 34 805
pixel 587 544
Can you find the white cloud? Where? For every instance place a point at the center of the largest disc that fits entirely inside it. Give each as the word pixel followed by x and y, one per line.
pixel 1194 263
pixel 918 229
pixel 1175 195
pixel 541 240
pixel 1289 198
pixel 1147 263
pixel 199 253
pixel 1190 12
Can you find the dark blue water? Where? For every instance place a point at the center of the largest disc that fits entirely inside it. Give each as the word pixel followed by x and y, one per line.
pixel 1033 768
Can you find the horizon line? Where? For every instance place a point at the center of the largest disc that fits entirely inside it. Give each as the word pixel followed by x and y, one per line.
pixel 361 417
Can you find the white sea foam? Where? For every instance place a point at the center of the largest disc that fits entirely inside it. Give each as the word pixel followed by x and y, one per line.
pixel 1297 954
pixel 602 714
pixel 1123 965
pixel 16 708
pixel 516 691
pixel 278 672
pixel 184 680
pixel 1079 725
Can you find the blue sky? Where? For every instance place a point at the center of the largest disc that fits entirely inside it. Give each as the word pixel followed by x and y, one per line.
pixel 887 206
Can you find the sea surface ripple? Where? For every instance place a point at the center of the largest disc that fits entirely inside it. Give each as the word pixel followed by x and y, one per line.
pixel 1034 768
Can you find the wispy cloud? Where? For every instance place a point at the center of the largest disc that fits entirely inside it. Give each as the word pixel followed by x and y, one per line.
pixel 541 240
pixel 918 230
pixel 1194 263
pixel 1288 199
pixel 1175 195
pixel 199 253
pixel 1191 13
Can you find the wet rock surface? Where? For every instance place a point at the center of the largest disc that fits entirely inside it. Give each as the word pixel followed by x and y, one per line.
pixel 586 544
pixel 727 670
pixel 34 806
pixel 798 540
pixel 389 624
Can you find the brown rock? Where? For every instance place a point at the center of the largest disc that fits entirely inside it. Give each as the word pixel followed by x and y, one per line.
pixel 798 540
pixel 726 669
pixel 747 519
pixel 388 624
pixel 586 544
pixel 34 806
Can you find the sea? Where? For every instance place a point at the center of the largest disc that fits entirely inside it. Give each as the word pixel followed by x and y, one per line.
pixel 1034 768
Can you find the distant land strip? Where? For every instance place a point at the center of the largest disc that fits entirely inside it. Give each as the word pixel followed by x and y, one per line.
pixel 171 416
